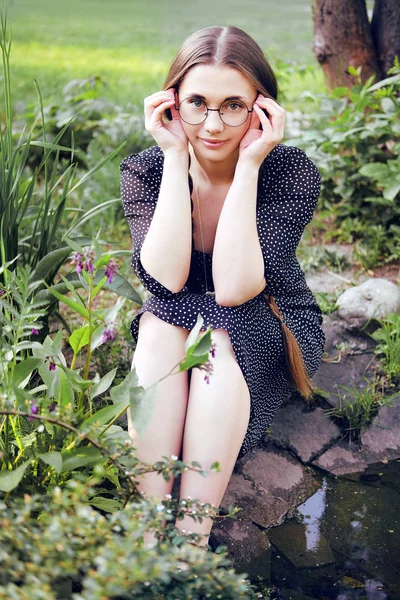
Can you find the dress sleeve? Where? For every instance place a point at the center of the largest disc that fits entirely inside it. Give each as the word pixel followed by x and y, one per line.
pixel 140 184
pixel 291 187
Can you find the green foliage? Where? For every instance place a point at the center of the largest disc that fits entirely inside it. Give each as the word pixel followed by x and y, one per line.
pixel 33 203
pixel 388 346
pixel 57 544
pixel 313 258
pixel 326 301
pixel 353 136
pixel 69 472
pixel 356 414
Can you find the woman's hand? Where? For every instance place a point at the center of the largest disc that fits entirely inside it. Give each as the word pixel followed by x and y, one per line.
pixel 256 144
pixel 168 135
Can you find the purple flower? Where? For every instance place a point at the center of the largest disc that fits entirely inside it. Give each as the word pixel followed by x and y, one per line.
pixel 77 260
pixel 52 366
pixel 208 368
pixel 89 256
pixel 35 331
pixel 34 410
pixel 111 269
pixel 52 407
pixel 109 334
pixel 213 347
pixel 84 261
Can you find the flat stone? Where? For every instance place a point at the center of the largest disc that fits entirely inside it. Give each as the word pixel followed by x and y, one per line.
pixel 341 460
pixel 327 281
pixel 279 474
pixel 382 439
pixel 248 547
pixel 348 363
pixel 305 432
pixel 259 506
pixel 292 541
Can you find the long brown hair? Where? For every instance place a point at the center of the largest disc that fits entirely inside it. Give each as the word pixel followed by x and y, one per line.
pixel 233 47
pixel 224 46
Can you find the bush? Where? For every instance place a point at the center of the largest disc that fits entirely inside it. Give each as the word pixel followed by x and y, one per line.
pixel 58 545
pixel 353 136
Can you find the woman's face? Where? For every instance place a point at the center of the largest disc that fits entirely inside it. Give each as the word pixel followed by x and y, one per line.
pixel 216 84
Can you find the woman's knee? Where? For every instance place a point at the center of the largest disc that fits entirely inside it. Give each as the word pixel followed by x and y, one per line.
pixel 160 335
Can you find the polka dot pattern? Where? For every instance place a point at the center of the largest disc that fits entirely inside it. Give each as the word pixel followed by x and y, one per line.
pixel 287 194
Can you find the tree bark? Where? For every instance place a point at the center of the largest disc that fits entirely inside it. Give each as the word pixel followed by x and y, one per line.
pixel 385 28
pixel 342 37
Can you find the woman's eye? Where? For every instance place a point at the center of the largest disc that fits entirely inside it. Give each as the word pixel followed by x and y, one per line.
pixel 196 102
pixel 233 106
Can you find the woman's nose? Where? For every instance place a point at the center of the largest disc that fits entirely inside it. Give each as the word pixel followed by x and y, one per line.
pixel 213 121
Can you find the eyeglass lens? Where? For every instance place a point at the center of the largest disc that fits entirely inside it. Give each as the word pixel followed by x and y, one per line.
pixel 194 110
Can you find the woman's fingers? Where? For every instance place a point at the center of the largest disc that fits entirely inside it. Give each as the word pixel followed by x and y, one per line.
pixel 153 101
pixel 155 113
pixel 276 113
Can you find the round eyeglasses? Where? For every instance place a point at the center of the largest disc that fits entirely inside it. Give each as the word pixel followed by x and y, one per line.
pixel 194 111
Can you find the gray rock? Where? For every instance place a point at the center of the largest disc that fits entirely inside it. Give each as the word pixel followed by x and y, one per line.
pixel 327 281
pixel 292 541
pixel 305 432
pixel 348 362
pixel 340 460
pixel 279 474
pixel 248 547
pixel 376 297
pixel 382 439
pixel 259 506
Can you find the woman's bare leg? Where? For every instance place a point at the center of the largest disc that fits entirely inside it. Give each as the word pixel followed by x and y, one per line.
pixel 159 348
pixel 216 422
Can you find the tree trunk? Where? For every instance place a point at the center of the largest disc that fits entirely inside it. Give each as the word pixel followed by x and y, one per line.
pixel 385 27
pixel 342 37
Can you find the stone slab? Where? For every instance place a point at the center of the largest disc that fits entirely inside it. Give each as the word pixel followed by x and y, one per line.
pixel 382 439
pixel 348 362
pixel 248 547
pixel 278 473
pixel 292 541
pixel 341 460
pixel 307 433
pixel 259 506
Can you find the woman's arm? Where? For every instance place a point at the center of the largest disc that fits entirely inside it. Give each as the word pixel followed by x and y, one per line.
pixel 166 250
pixel 291 189
pixel 238 265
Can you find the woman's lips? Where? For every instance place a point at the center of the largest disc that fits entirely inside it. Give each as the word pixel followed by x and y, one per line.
pixel 213 144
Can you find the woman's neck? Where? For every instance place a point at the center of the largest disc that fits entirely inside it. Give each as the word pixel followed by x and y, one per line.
pixel 213 173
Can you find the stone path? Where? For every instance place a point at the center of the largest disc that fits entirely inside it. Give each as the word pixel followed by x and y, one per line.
pixel 269 482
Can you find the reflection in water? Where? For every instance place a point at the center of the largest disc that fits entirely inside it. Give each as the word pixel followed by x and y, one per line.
pixel 358 517
pixel 312 511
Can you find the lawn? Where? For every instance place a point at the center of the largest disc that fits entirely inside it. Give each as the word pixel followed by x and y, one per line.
pixel 131 43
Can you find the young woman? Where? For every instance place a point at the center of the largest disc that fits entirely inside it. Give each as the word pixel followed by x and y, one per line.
pixel 216 211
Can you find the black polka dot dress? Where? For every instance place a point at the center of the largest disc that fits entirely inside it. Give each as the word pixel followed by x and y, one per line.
pixel 288 190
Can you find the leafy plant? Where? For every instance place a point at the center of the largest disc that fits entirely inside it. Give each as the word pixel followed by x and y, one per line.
pixel 388 346
pixel 326 302
pixel 56 545
pixel 353 136
pixel 356 414
pixel 33 206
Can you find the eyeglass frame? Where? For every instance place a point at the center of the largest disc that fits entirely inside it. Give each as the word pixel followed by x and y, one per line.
pixel 212 109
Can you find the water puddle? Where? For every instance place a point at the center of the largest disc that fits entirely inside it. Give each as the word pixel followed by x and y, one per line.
pixel 344 541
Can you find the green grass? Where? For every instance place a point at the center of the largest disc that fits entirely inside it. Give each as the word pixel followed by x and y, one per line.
pixel 130 43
